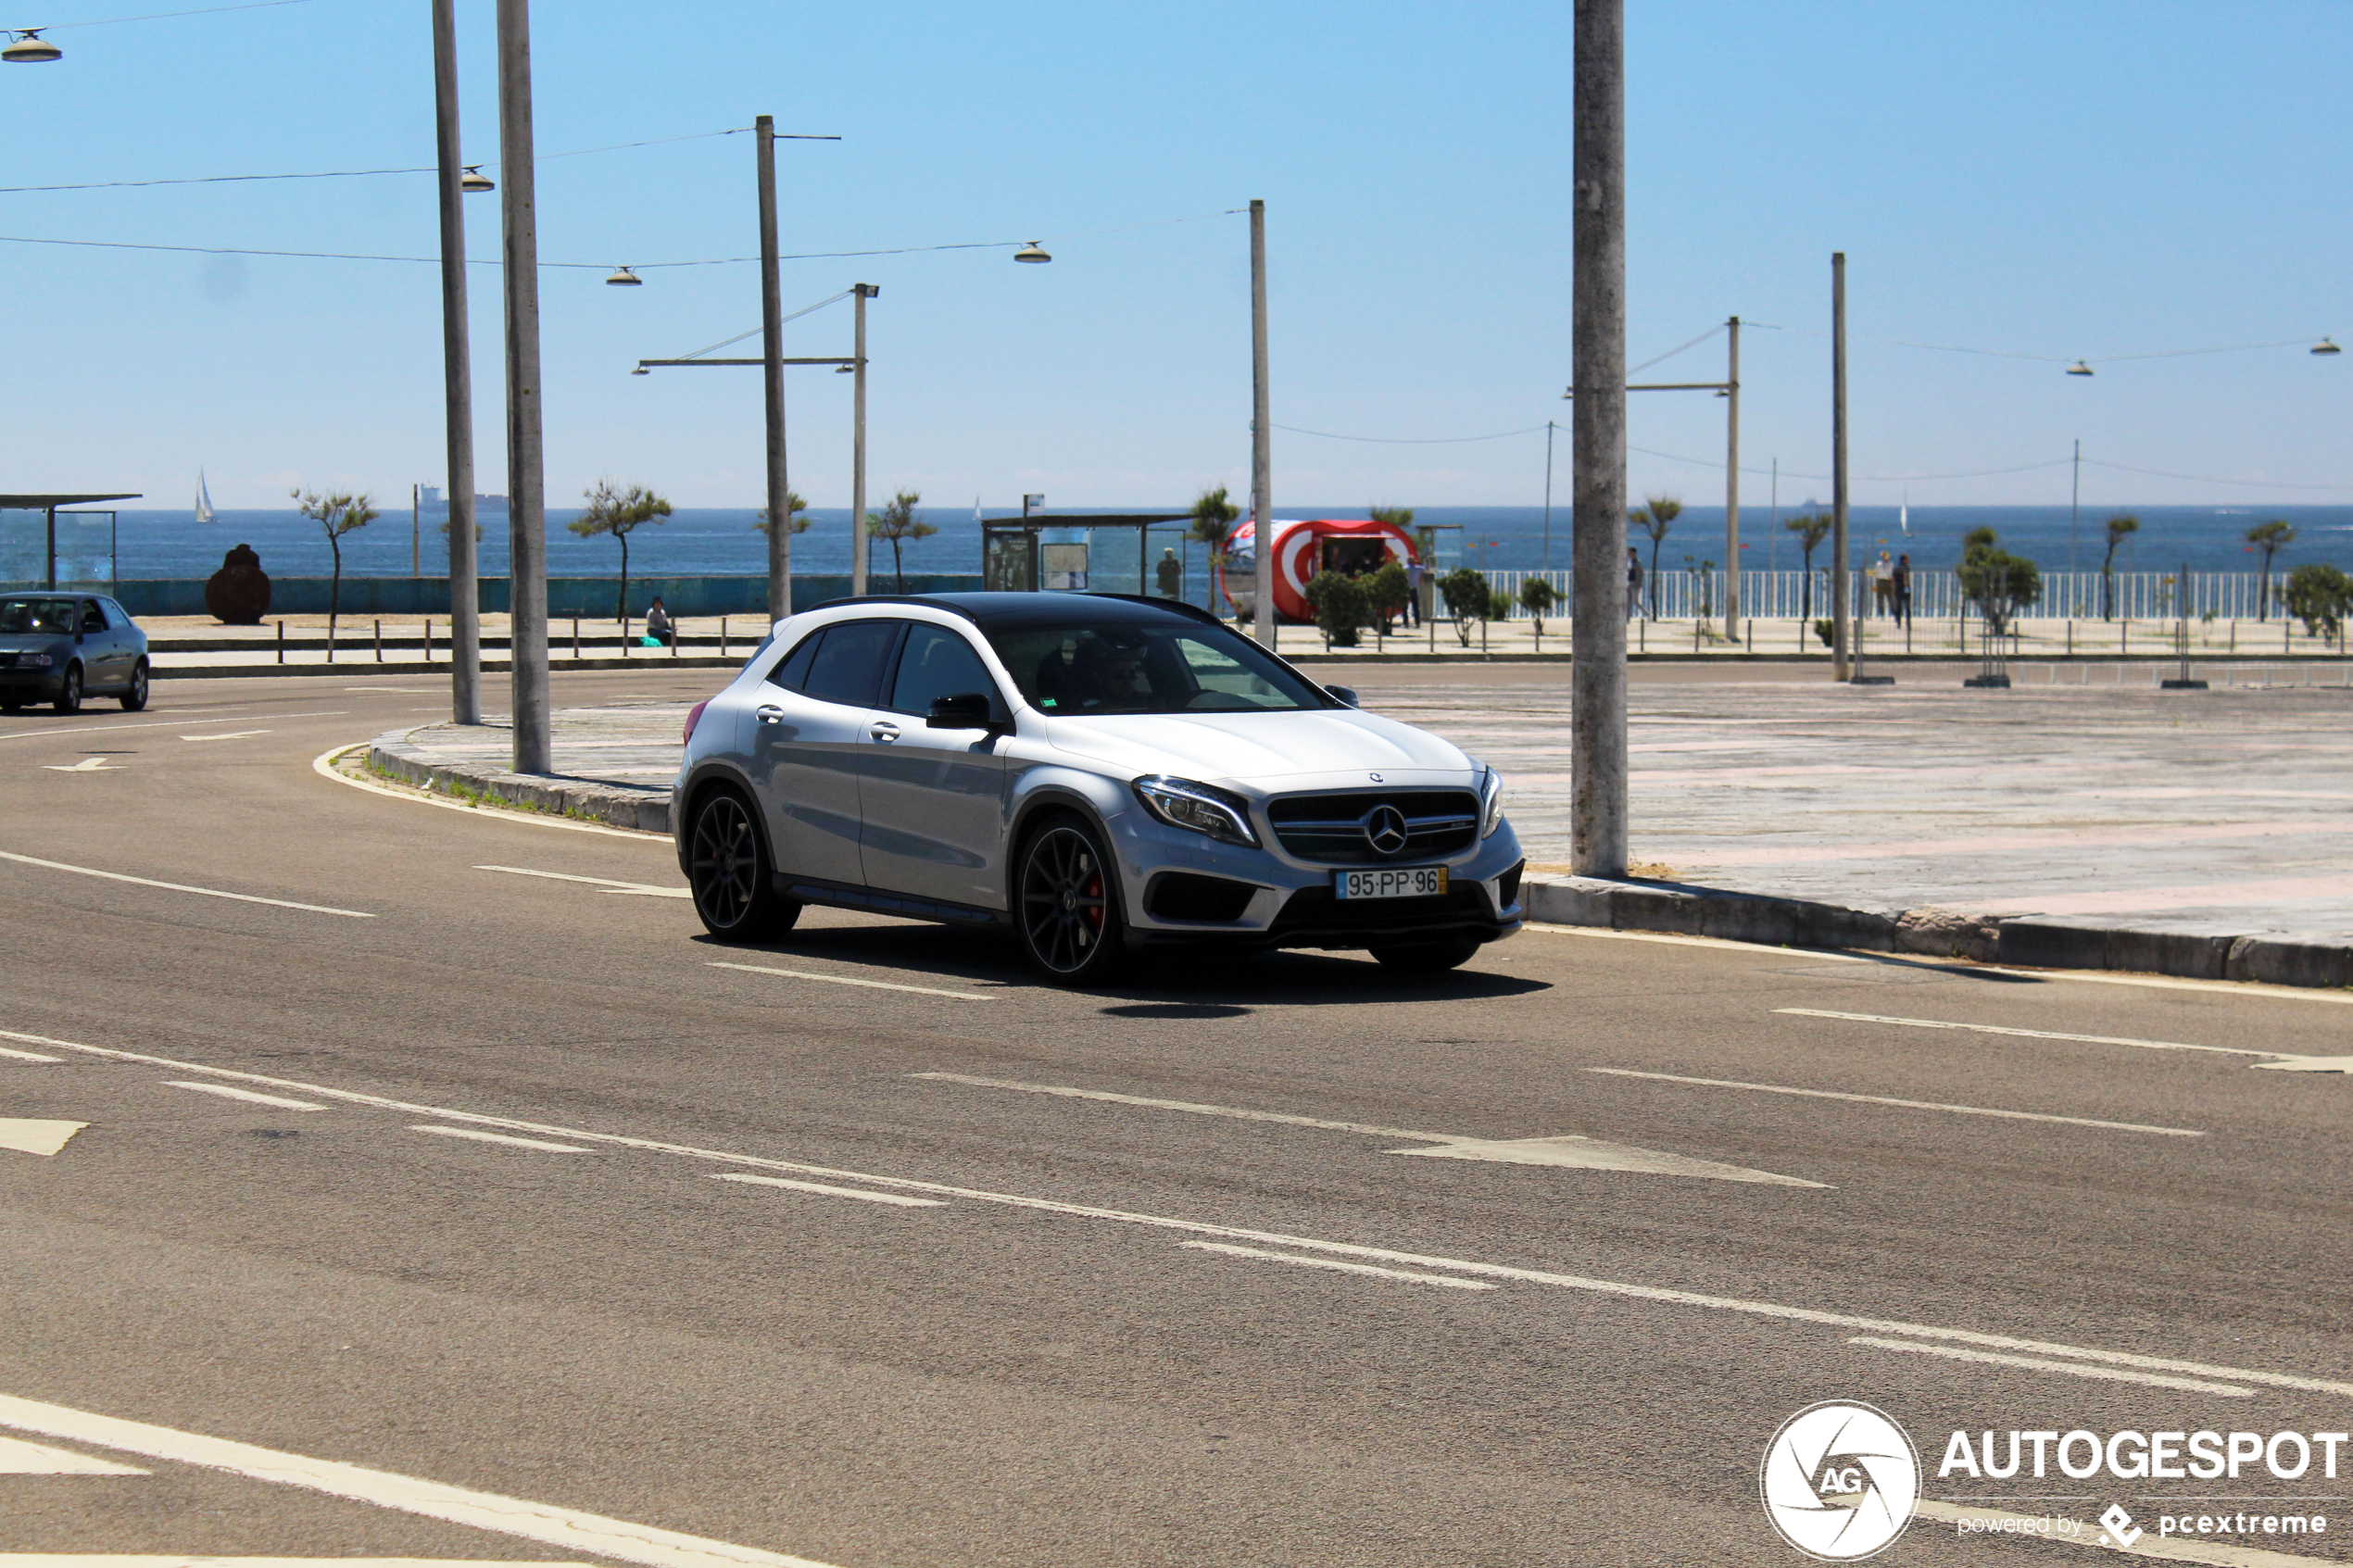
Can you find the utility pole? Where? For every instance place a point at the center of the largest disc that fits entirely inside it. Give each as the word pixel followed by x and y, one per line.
pixel 458 380
pixel 1597 445
pixel 2074 509
pixel 864 292
pixel 526 476
pixel 771 349
pixel 1548 495
pixel 1732 487
pixel 1262 449
pixel 1839 630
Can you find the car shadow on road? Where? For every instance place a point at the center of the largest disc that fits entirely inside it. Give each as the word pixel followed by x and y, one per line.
pixel 1164 985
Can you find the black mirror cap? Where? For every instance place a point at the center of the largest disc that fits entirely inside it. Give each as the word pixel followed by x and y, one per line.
pixel 1346 694
pixel 965 711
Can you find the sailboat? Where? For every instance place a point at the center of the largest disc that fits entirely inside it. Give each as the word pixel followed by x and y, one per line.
pixel 1904 515
pixel 204 499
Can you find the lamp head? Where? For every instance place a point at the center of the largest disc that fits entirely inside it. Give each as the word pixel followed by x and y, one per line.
pixel 1033 251
pixel 623 277
pixel 474 181
pixel 30 48
pixel 2079 368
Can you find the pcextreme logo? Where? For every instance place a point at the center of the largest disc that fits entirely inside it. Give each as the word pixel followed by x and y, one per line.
pixel 1839 1481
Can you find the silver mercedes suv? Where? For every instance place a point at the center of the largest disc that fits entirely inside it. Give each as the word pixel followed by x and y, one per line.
pixel 1094 773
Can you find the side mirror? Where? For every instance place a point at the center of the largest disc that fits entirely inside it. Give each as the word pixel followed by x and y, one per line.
pixel 1346 694
pixel 965 711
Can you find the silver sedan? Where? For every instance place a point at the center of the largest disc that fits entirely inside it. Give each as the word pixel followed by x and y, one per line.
pixel 1093 773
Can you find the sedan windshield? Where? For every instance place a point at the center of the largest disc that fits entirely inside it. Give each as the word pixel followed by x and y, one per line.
pixel 21 616
pixel 1116 666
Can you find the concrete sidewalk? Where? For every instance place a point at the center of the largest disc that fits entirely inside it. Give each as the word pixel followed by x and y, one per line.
pixel 2199 814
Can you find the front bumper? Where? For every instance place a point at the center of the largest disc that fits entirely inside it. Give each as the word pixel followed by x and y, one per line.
pixel 27 685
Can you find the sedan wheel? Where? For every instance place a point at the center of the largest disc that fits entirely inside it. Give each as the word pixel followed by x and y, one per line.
pixel 729 869
pixel 1069 908
pixel 70 691
pixel 135 695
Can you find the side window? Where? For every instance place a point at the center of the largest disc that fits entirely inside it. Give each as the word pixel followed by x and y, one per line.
pixel 93 618
pixel 935 663
pixel 117 616
pixel 793 674
pixel 850 663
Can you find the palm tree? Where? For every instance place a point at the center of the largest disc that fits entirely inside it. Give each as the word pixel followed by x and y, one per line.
pixel 337 513
pixel 2271 538
pixel 1212 524
pixel 1811 531
pixel 794 504
pixel 1653 517
pixel 898 523
pixel 2119 529
pixel 619 513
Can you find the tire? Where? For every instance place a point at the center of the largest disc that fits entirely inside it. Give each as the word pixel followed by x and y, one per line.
pixel 1066 903
pixel 135 695
pixel 70 691
pixel 1428 958
pixel 730 875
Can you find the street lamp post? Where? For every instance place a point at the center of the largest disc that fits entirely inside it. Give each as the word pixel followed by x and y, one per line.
pixel 1261 460
pixel 465 610
pixel 1840 588
pixel 1733 486
pixel 1597 443
pixel 864 292
pixel 526 477
pixel 772 342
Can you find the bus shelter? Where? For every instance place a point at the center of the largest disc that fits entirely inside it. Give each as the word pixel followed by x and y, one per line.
pixel 1071 552
pixel 89 539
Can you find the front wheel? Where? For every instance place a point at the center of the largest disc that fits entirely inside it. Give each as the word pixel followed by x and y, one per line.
pixel 70 691
pixel 135 695
pixel 728 870
pixel 1066 907
pixel 1427 957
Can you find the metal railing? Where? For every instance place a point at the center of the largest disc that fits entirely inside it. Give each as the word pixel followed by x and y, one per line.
pixel 1677 595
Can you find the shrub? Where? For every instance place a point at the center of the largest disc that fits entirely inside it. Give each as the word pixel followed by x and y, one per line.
pixel 1387 592
pixel 1467 599
pixel 1340 605
pixel 1998 583
pixel 2320 596
pixel 1823 629
pixel 1537 597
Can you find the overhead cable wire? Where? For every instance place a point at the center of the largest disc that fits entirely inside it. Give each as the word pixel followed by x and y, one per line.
pixel 1672 352
pixel 2045 358
pixel 2207 479
pixel 1411 440
pixel 804 310
pixel 166 15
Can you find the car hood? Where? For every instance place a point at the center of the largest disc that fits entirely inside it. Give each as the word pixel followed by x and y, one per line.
pixel 1246 748
pixel 33 642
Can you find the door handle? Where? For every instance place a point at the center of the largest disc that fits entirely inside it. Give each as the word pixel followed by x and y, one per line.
pixel 769 713
pixel 883 732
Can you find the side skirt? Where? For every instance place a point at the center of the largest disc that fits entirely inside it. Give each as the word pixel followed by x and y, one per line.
pixel 875 902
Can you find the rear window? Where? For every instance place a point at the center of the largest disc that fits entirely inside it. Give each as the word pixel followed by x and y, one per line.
pixel 849 665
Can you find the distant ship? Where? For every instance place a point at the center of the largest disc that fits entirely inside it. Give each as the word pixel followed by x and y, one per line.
pixel 204 499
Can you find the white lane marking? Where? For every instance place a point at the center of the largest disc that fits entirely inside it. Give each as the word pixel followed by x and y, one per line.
pixel 1262 1255
pixel 602 883
pixel 1773 1310
pixel 167 1560
pixel 183 887
pixel 323 765
pixel 2160 983
pixel 21 1458
pixel 233 734
pixel 153 724
pixel 477 1136
pixel 567 1528
pixel 2086 1533
pixel 225 1092
pixel 27 1055
pixel 870 984
pixel 1568 1151
pixel 36 1137
pixel 2024 1034
pixel 1907 1104
pixel 1826 955
pixel 87 765
pixel 2308 1064
pixel 900 1198
pixel 2035 1364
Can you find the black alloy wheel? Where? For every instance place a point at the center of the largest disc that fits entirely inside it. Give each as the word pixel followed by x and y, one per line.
pixel 1069 907
pixel 729 869
pixel 1427 957
pixel 135 695
pixel 70 691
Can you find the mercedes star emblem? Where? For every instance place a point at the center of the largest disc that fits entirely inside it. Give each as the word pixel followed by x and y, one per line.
pixel 1385 830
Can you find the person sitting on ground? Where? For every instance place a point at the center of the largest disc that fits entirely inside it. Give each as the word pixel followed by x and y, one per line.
pixel 658 624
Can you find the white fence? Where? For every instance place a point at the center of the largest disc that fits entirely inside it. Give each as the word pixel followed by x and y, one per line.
pixel 1677 595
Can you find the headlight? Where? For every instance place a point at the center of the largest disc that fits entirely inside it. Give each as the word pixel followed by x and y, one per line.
pixel 34 661
pixel 1201 808
pixel 1491 795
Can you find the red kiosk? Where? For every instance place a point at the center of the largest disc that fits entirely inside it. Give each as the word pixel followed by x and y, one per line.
pixel 1304 547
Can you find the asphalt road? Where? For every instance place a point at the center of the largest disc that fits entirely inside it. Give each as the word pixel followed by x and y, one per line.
pixel 1122 1326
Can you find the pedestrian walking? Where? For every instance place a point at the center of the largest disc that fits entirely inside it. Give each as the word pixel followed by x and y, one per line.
pixel 1904 589
pixel 1882 576
pixel 1633 583
pixel 1170 573
pixel 1413 574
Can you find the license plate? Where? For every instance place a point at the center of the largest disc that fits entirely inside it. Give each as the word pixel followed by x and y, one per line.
pixel 1393 882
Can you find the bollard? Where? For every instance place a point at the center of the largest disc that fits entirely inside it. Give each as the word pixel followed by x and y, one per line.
pixel 282 642
pixel 575 636
pixel 427 639
pixel 722 636
pixel 380 640
pixel 625 636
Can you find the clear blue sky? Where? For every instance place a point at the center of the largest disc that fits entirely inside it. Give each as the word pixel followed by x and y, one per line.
pixel 2093 178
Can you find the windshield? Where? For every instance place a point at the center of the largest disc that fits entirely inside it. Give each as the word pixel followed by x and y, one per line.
pixel 21 616
pixel 1123 668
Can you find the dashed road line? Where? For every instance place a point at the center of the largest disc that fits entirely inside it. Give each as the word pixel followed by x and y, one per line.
pixel 602 883
pixel 1907 1104
pixel 2074 1369
pixel 27 1055
pixel 476 1134
pixel 900 1199
pixel 227 1092
pixel 2024 1034
pixel 870 984
pixel 21 1458
pixel 1259 1254
pixel 183 887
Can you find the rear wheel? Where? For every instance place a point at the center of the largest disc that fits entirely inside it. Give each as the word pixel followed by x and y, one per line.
pixel 729 869
pixel 1427 957
pixel 70 691
pixel 1066 906
pixel 135 695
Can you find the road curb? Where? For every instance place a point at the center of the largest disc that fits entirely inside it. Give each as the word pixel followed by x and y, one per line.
pixel 370 667
pixel 2198 952
pixel 645 809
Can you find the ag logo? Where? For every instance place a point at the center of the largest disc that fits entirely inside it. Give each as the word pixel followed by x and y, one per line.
pixel 1839 1481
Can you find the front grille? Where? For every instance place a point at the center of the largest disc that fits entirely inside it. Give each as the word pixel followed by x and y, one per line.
pixel 1329 829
